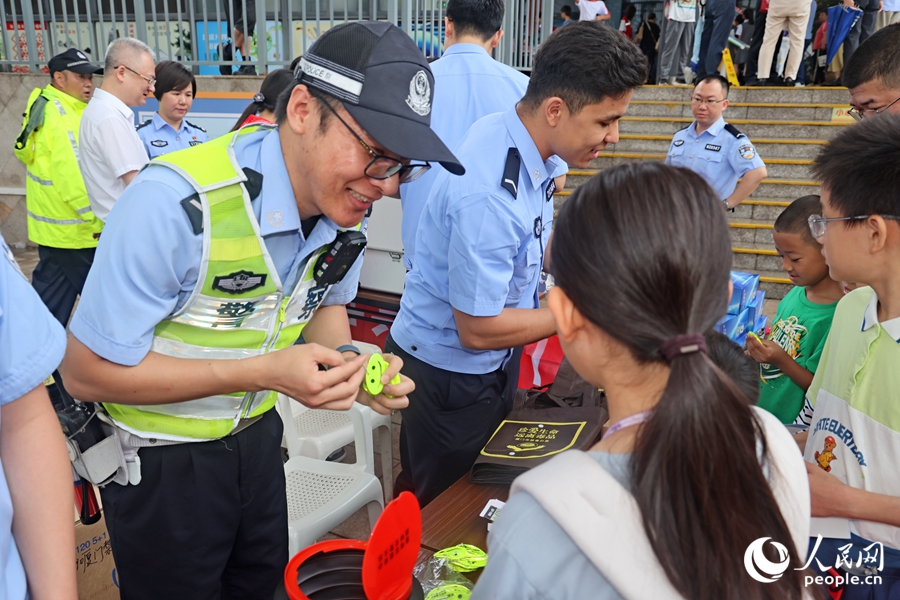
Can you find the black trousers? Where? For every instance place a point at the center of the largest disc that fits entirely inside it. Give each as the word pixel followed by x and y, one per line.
pixel 59 277
pixel 759 30
pixel 450 418
pixel 716 29
pixel 207 521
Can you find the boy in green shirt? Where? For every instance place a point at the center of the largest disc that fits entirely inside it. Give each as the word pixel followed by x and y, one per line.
pixel 788 359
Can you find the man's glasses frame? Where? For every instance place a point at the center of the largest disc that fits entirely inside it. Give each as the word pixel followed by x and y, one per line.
pixel 149 80
pixel 385 167
pixel 859 115
pixel 696 100
pixel 817 223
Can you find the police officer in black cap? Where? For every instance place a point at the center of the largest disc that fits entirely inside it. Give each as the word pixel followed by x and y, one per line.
pixel 60 220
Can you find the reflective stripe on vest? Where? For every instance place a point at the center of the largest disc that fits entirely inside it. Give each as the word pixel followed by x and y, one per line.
pixel 238 308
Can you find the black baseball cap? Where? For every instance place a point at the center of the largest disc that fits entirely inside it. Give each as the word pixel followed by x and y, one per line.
pixel 383 80
pixel 72 60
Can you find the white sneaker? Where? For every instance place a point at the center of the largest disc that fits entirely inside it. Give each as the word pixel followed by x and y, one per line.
pixel 688 76
pixel 798 84
pixel 672 81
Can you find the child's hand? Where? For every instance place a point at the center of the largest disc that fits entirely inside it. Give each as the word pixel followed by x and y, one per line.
pixel 766 351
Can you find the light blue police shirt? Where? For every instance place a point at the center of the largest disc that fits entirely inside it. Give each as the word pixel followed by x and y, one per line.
pixel 32 344
pixel 468 85
pixel 479 248
pixel 161 138
pixel 148 258
pixel 721 155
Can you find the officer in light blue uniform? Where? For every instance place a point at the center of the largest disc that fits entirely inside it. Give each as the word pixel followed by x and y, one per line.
pixel 714 149
pixel 479 250
pixel 32 344
pixel 153 223
pixel 468 84
pixel 161 138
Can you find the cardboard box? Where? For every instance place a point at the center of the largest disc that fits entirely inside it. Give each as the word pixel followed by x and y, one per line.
pixel 97 578
pixel 756 306
pixel 733 326
pixel 745 287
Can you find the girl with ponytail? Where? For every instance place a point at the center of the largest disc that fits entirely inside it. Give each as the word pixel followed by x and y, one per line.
pixel 262 109
pixel 689 475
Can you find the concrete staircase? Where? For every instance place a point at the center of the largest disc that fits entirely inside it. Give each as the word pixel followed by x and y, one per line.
pixel 788 126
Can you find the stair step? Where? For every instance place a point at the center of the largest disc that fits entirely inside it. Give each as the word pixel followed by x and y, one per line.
pixel 753 128
pixel 768 148
pixel 818 112
pixel 755 257
pixel 749 225
pixel 822 95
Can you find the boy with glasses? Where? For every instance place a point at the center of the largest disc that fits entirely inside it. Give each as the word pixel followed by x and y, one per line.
pixel 853 403
pixel 714 149
pixel 112 153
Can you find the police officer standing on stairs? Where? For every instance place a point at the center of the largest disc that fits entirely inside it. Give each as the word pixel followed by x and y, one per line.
pixel 714 149
pixel 208 272
pixel 60 220
pixel 472 295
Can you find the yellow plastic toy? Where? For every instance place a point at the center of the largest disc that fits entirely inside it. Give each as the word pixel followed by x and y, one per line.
pixel 375 368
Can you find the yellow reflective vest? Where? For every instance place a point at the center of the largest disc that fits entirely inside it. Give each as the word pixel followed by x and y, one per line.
pixel 59 213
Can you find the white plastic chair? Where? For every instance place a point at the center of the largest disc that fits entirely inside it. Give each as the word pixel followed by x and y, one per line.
pixel 321 432
pixel 321 495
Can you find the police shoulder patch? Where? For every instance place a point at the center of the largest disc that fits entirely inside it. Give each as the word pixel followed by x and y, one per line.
pixel 239 282
pixel 747 151
pixel 734 131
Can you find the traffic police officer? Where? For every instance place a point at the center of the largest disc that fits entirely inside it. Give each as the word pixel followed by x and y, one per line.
pixel 60 220
pixel 471 296
pixel 714 149
pixel 208 273
pixel 168 130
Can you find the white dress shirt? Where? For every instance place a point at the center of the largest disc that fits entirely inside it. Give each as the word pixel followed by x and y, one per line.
pixel 109 147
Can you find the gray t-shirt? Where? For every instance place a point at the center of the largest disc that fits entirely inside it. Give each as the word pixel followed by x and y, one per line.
pixel 531 557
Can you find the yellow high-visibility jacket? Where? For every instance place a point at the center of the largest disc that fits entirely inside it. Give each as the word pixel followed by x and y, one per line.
pixel 59 213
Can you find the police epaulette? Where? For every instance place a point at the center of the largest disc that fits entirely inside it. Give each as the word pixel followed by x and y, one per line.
pixel 734 131
pixel 144 124
pixel 685 127
pixel 195 126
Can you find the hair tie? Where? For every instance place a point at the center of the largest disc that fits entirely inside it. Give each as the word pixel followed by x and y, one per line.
pixel 259 98
pixel 683 344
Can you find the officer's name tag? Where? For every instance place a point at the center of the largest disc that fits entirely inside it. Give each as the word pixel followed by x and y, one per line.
pixel 551 189
pixel 713 147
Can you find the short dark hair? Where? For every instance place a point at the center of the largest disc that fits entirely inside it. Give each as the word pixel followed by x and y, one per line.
pixel 860 169
pixel 566 10
pixel 876 58
pixel 732 361
pixel 173 76
pixel 584 63
pixel 795 218
pixel 320 97
pixel 651 16
pixel 710 78
pixel 483 18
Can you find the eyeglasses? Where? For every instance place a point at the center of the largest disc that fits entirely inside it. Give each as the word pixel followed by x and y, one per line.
pixel 860 114
pixel 817 223
pixel 149 80
pixel 381 166
pixel 696 100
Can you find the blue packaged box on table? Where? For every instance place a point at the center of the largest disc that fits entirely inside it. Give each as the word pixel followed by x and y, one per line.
pixel 734 326
pixel 756 305
pixel 745 288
